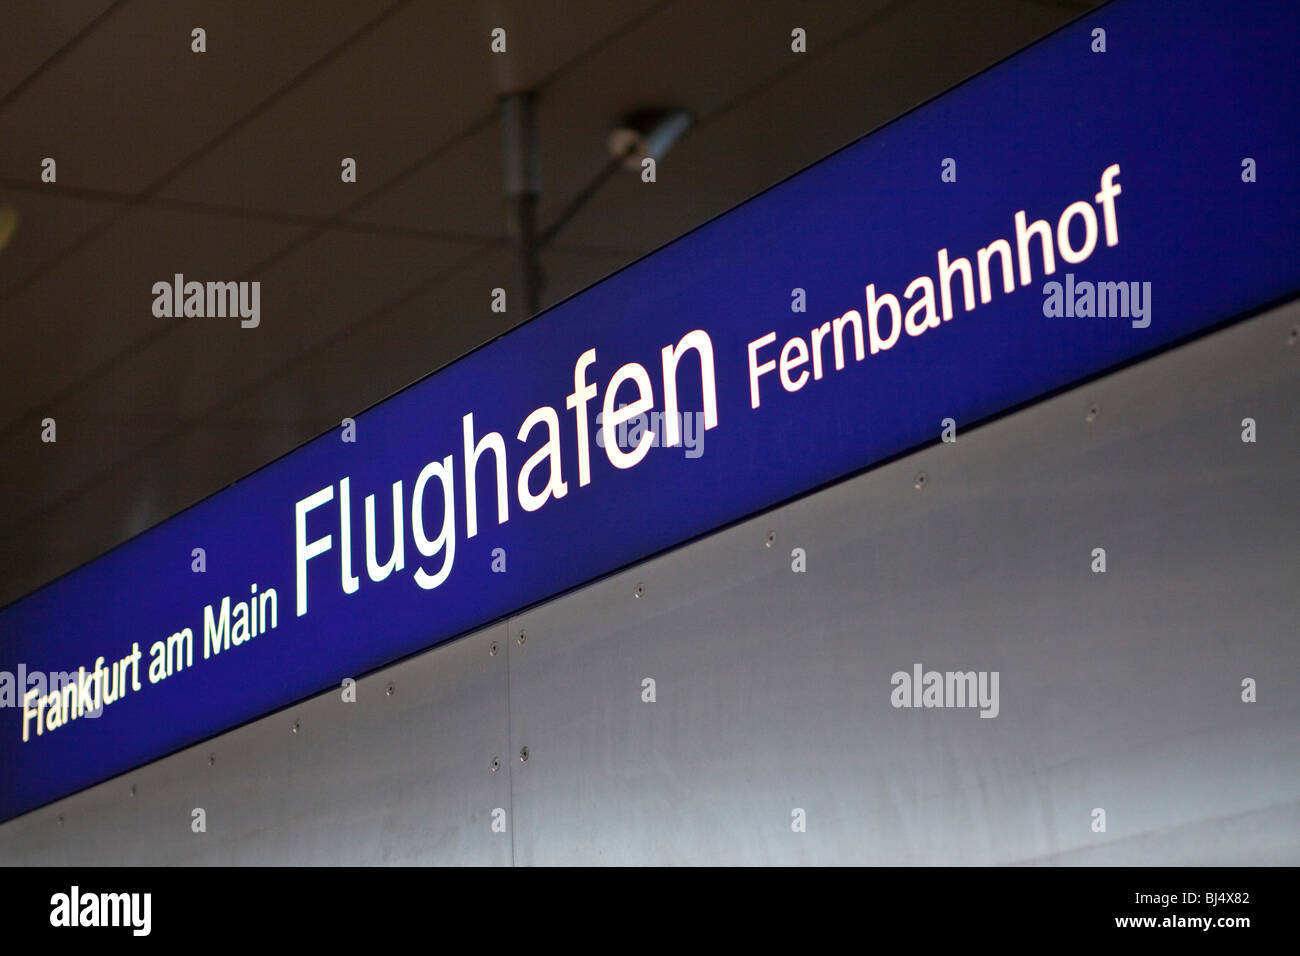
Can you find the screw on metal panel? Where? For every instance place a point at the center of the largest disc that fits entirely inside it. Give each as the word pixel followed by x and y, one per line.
pixel 771 539
pixel 921 479
pixel 133 790
pixel 296 725
pixel 522 638
pixel 1093 411
pixel 523 755
pixel 212 760
pixel 496 764
pixel 640 590
pixel 493 649
pixel 59 820
pixel 389 690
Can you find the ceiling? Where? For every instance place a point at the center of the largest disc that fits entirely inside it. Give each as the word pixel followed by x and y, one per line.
pixel 225 165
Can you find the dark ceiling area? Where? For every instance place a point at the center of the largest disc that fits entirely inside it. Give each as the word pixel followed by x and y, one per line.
pixel 225 165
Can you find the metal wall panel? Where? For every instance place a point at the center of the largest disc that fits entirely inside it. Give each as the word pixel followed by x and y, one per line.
pixel 1119 690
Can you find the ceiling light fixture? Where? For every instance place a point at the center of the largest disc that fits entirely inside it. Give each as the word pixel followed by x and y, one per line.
pixel 647 134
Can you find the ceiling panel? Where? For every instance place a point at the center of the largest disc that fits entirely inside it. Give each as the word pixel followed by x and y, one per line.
pixel 49 223
pixel 161 391
pixel 131 101
pixel 99 304
pixel 544 37
pixel 46 28
pixel 144 491
pixel 459 191
pixel 394 100
pixel 367 361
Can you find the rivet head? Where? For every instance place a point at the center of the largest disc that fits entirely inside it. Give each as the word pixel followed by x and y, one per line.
pixel 921 479
pixel 133 790
pixel 496 764
pixel 59 819
pixel 1093 411
pixel 296 725
pixel 212 760
pixel 640 590
pixel 493 649
pixel 770 540
pixel 523 755
pixel 389 690
pixel 522 638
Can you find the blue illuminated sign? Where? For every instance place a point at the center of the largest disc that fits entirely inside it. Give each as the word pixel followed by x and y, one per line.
pixel 1098 206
